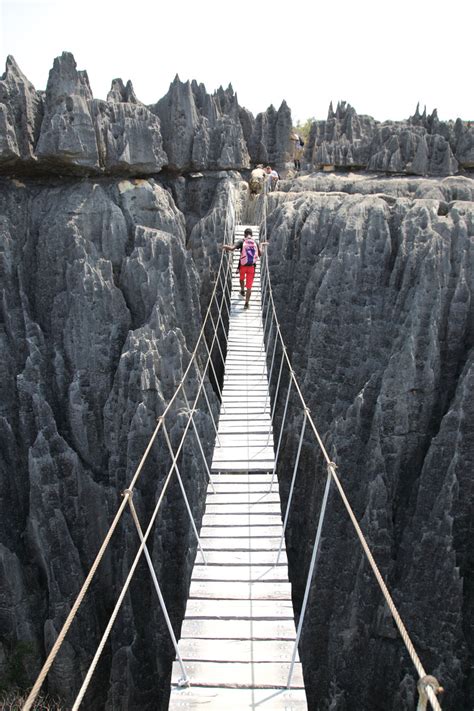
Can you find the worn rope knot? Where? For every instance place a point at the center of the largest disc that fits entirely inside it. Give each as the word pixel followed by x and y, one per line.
pixel 332 464
pixel 427 681
pixel 127 492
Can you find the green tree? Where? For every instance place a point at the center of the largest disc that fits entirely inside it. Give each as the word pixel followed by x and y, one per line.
pixel 303 128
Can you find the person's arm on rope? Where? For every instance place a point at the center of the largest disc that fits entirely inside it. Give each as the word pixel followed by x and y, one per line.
pixel 229 247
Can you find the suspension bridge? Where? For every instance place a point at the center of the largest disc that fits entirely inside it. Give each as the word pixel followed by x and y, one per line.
pixel 239 644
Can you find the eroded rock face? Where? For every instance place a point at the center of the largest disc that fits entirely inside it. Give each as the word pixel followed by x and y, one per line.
pixel 65 129
pixel 374 290
pixel 422 145
pixel 21 112
pixel 269 142
pixel 67 132
pixel 100 311
pixel 201 131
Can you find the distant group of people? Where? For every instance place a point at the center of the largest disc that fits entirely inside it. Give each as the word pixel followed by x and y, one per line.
pixel 263 179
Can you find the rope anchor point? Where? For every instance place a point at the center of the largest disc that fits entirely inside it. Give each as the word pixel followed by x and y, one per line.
pixel 429 681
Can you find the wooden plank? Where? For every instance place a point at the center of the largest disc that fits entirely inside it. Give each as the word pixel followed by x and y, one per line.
pixel 271 519
pixel 266 675
pixel 241 544
pixel 241 573
pixel 240 609
pixel 237 650
pixel 237 699
pixel 249 497
pixel 231 590
pixel 238 479
pixel 262 487
pixel 257 508
pixel 243 455
pixel 238 629
pixel 240 531
pixel 242 557
pixel 230 466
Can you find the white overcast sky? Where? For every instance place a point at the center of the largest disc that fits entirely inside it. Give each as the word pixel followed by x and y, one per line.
pixel 381 57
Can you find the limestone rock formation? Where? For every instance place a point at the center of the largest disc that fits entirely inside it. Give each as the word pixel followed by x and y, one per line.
pixel 188 130
pixel 342 140
pixel 374 291
pixel 269 142
pixel 20 116
pixel 67 132
pixel 72 132
pixel 100 311
pixel 422 145
pixel 128 134
pixel 201 131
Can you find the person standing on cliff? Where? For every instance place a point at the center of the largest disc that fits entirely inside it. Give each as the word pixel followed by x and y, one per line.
pixel 250 251
pixel 298 145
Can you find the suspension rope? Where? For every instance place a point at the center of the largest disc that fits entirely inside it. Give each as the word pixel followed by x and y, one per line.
pixel 173 468
pixel 192 361
pixel 332 472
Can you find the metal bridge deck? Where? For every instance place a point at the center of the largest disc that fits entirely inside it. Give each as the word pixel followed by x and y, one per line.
pixel 238 634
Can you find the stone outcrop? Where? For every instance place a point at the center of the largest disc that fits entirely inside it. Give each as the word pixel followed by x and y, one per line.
pixel 21 112
pixel 269 141
pixel 374 292
pixel 422 145
pixel 128 136
pixel 100 311
pixel 65 129
pixel 69 131
pixel 200 131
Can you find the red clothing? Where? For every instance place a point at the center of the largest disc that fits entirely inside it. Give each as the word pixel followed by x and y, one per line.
pixel 247 274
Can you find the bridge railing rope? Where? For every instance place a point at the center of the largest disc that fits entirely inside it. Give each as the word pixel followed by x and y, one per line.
pixel 217 300
pixel 427 683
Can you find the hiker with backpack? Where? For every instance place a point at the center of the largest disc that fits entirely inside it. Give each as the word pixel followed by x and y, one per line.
pixel 250 251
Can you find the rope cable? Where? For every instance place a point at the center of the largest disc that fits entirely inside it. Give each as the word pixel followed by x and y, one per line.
pixel 69 619
pixel 331 469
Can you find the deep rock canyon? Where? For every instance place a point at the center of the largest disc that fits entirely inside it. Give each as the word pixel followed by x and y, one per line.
pixel 111 217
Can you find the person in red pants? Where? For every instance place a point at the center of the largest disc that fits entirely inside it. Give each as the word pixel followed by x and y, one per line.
pixel 250 251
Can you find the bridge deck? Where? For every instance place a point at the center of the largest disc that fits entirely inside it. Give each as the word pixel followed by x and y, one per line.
pixel 238 633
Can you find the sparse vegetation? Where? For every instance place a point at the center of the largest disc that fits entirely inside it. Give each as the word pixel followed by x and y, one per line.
pixel 303 129
pixel 15 700
pixel 14 682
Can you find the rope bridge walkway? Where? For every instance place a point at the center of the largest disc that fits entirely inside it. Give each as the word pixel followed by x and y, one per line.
pixel 238 646
pixel 238 634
